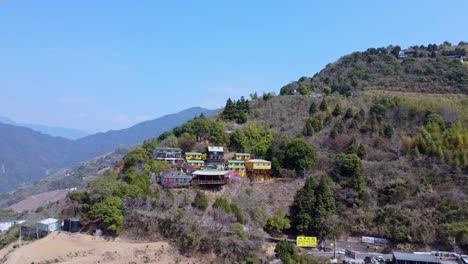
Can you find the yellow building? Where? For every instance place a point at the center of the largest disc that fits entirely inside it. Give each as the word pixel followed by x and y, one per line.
pixel 237 166
pixel 193 156
pixel 242 156
pixel 195 163
pixel 258 169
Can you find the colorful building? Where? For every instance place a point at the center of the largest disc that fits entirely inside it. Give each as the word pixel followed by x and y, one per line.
pixel 193 156
pixel 175 179
pixel 210 177
pixel 258 169
pixel 237 166
pixel 242 156
pixel 195 163
pixel 215 155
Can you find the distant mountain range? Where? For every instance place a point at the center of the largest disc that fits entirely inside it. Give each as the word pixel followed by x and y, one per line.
pixel 69 133
pixel 27 155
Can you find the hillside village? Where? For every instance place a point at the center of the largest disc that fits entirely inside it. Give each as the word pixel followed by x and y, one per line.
pixel 338 160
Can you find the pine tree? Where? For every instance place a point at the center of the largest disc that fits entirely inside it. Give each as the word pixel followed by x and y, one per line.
pixel 361 151
pixel 333 133
pixel 349 113
pixel 354 124
pixel 229 112
pixel 361 115
pixel 340 127
pixel 349 167
pixel 313 108
pixel 337 111
pixel 323 105
pixel 303 207
pixel 308 129
pixel 353 146
pixel 325 198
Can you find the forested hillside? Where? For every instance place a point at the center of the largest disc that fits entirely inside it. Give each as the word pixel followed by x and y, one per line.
pixel 426 69
pixel 383 156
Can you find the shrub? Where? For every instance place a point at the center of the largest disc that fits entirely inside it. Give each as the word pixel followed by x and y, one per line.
pixel 278 222
pixel 200 201
pixel 223 204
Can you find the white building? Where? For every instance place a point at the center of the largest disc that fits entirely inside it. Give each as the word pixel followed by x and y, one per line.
pixel 5 226
pixel 49 225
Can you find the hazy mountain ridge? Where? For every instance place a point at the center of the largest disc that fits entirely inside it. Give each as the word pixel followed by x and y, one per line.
pixel 27 155
pixel 69 133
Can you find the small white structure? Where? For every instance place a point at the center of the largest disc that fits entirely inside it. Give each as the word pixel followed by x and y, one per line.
pixel 49 225
pixel 5 226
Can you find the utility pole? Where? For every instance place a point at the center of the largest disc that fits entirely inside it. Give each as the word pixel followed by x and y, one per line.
pixel 454 245
pixel 334 246
pixel 21 225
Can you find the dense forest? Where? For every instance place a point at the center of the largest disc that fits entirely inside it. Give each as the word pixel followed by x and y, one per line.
pixel 380 144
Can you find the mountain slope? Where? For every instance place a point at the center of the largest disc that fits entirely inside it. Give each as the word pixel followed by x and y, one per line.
pixel 391 164
pixel 99 143
pixel 431 69
pixel 69 133
pixel 27 155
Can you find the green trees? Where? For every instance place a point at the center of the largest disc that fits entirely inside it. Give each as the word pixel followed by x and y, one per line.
pixel 303 90
pixel 302 209
pixel 299 155
pixel 349 167
pixel 388 130
pixel 349 113
pixel 238 141
pixel 308 129
pixel 312 206
pixel 135 157
pixel 337 111
pixel 109 212
pixel 446 144
pixel 258 139
pixel 278 222
pixel 200 201
pixel 323 105
pixel 313 108
pixel 325 206
pixel 238 110
pixel 223 204
pixel 327 90
pixel 286 251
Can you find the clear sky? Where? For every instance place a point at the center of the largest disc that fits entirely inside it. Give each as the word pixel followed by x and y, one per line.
pixel 107 64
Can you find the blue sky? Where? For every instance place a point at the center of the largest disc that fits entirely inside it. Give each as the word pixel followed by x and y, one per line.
pixel 107 64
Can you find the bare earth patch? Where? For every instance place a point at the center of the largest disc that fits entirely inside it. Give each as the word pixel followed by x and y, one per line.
pixel 35 201
pixel 80 248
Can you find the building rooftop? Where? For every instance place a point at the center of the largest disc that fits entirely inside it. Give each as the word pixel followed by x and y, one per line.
pixel 415 257
pixel 210 172
pixel 242 154
pixel 258 161
pixel 176 174
pixel 168 149
pixel 236 161
pixel 196 161
pixel 236 167
pixel 48 221
pixel 215 149
pixel 193 153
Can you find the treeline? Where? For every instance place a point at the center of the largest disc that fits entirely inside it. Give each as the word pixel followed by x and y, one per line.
pixel 236 110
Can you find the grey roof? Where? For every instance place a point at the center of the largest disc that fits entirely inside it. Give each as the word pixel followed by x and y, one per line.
pixel 415 257
pixel 210 172
pixel 215 149
pixel 168 149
